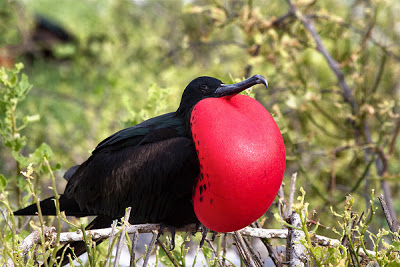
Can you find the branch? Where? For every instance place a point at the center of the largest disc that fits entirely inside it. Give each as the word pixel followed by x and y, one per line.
pixel 104 233
pixel 110 245
pixel 372 39
pixel 392 223
pixel 216 256
pixel 122 236
pixel 133 256
pixel 150 248
pixel 295 251
pixel 272 252
pixel 333 64
pixel 168 253
pixel 242 249
pixel 291 193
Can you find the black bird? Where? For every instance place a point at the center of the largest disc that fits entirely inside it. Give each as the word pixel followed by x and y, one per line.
pixel 151 167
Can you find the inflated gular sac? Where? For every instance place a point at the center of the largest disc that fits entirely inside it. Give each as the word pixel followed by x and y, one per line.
pixel 242 161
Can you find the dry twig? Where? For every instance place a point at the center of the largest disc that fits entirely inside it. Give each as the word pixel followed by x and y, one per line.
pixel 243 251
pixel 211 246
pixel 394 228
pixel 291 193
pixel 150 248
pixel 170 257
pixel 114 225
pixel 122 237
pixel 135 236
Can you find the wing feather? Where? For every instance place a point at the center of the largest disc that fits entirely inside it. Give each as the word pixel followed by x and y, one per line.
pixel 134 135
pixel 155 179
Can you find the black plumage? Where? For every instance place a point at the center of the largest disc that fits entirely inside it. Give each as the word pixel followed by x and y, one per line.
pixel 151 167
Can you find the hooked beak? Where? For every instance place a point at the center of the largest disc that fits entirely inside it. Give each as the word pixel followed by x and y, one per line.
pixel 233 89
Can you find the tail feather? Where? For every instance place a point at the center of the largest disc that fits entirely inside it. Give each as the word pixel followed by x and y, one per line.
pixel 48 208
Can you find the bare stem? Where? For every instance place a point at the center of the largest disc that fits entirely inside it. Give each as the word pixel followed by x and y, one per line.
pixel 150 248
pixel 122 237
pixel 391 222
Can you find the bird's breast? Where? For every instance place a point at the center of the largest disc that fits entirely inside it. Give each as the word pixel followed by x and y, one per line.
pixel 242 160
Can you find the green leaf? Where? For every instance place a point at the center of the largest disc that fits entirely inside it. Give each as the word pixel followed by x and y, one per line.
pixel 23 87
pixel 396 245
pixel 58 166
pixel 3 182
pixel 43 151
pixel 23 161
pixel 13 80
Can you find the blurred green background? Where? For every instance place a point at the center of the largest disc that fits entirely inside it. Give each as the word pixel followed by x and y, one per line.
pixel 126 61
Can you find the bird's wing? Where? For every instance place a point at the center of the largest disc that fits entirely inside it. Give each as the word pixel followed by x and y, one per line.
pixel 151 172
pixel 166 124
pixel 155 129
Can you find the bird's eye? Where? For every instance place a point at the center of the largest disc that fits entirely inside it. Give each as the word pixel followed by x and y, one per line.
pixel 204 88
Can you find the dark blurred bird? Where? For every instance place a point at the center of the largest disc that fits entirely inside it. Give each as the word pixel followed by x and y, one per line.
pixel 40 41
pixel 152 167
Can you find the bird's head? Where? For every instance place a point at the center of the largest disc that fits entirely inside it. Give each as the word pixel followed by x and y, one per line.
pixel 207 87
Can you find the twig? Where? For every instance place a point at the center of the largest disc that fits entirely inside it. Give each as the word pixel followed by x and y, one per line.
pixel 253 253
pixel 150 248
pixel 243 251
pixel 24 225
pixel 224 249
pixel 210 244
pixel 392 223
pixel 5 219
pixel 267 243
pixel 388 199
pixel 281 201
pixel 122 237
pixel 333 64
pixel 364 42
pixel 114 225
pixel 372 39
pixel 348 239
pixel 291 193
pixel 134 243
pixel 171 258
pixel 271 252
pixel 278 22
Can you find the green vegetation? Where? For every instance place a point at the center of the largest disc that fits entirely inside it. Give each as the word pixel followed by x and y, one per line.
pixel 130 60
